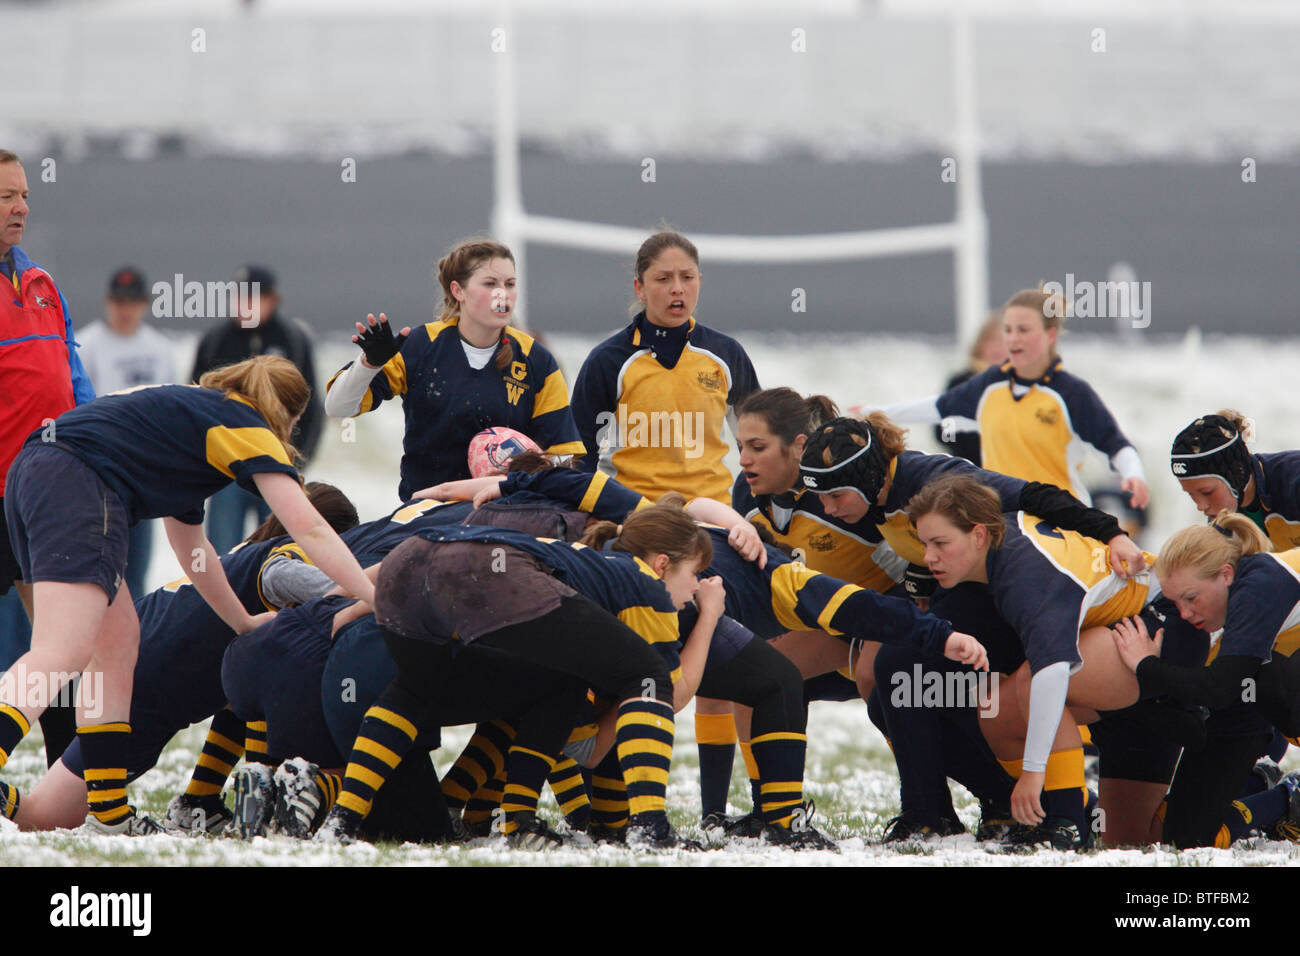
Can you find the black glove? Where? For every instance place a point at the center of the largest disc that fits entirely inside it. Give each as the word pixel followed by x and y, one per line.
pixel 920 583
pixel 379 344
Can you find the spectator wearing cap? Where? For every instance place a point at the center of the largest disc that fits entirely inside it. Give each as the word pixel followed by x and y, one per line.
pixel 123 352
pixel 256 328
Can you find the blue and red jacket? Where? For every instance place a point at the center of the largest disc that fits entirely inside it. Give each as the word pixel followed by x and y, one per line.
pixel 40 374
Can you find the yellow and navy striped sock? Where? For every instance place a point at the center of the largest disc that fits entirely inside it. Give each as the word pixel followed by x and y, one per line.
pixel 330 784
pixel 608 795
pixel 755 778
pixel 13 728
pixel 715 736
pixel 1237 823
pixel 481 760
pixel 571 793
pixel 8 799
pixel 643 734
pixel 780 758
pixel 383 740
pixel 255 742
pixel 103 747
pixel 221 751
pixel 486 799
pixel 526 771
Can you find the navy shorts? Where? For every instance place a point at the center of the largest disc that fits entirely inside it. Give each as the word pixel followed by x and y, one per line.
pixel 729 636
pixel 273 673
pixel 150 735
pixel 64 523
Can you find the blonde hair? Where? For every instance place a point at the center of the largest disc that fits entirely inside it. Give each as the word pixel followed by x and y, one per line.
pixel 1245 426
pixel 1204 549
pixel 1051 307
pixel 273 385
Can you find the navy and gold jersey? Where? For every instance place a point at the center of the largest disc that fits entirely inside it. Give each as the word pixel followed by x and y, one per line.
pixel 178 671
pixel 165 449
pixel 446 402
pixel 597 494
pixel 1042 434
pixel 621 583
pixel 379 537
pixel 1049 584
pixel 913 470
pixel 656 427
pixel 789 596
pixel 853 551
pixel 1263 607
pixel 1277 490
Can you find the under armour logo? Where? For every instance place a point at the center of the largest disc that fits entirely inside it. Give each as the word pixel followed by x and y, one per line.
pixel 661 331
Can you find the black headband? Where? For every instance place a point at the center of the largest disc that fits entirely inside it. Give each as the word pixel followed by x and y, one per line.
pixel 844 453
pixel 1212 447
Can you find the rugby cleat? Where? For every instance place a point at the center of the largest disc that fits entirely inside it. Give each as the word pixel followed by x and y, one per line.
pixel 299 801
pixel 1054 834
pixel 187 813
pixel 652 831
pixel 906 827
pixel 996 821
pixel 801 835
pixel 342 826
pixel 1288 828
pixel 747 827
pixel 254 786
pixel 133 825
pixel 532 833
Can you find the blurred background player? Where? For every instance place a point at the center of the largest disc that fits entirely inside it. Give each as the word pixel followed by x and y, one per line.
pixel 120 352
pixel 257 328
pixel 40 379
pixel 1036 421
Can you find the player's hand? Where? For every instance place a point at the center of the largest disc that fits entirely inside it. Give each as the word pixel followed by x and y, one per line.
pixel 377 340
pixel 1139 493
pixel 1133 644
pixel 1126 558
pixel 464 489
pixel 711 598
pixel 1025 805
pixel 745 540
pixel 965 649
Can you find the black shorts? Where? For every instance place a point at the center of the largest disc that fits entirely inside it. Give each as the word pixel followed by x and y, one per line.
pixel 64 523
pixel 9 570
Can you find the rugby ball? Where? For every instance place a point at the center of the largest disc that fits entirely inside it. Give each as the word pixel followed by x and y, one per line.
pixel 491 449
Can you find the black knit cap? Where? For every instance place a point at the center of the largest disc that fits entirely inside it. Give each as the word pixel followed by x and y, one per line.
pixel 844 453
pixel 1212 446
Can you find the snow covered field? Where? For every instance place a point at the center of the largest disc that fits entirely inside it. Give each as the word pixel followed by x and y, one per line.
pixel 1154 388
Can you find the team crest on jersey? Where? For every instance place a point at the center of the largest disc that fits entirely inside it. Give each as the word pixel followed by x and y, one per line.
pixel 821 542
pixel 44 301
pixel 1048 416
pixel 515 385
pixel 710 380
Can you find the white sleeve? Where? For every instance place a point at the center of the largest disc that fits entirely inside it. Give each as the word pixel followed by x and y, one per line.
pixel 1046 704
pixel 343 397
pixel 1128 464
pixel 923 411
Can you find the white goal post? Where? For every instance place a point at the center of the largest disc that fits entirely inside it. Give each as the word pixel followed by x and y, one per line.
pixel 966 236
